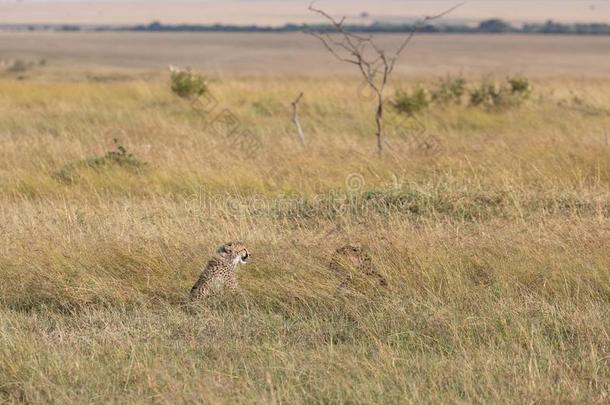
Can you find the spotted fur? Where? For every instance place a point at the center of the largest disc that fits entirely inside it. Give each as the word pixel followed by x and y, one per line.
pixel 221 269
pixel 349 258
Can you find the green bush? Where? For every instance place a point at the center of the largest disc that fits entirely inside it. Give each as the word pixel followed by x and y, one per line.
pixel 450 90
pixel 487 94
pixel 19 66
pixel 186 84
pixel 520 86
pixel 411 102
pixel 491 95
pixel 113 158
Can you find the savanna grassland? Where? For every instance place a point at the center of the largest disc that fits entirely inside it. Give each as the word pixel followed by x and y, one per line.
pixel 492 226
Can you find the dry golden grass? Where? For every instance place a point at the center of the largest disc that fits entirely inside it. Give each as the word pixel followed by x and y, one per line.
pixel 495 244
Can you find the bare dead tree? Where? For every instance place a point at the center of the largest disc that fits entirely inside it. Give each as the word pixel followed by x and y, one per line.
pixel 295 119
pixel 374 63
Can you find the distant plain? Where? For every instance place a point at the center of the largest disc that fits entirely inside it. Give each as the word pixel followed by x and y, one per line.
pixel 299 54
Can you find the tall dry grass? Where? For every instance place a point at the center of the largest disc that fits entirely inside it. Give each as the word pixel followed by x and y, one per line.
pixel 495 242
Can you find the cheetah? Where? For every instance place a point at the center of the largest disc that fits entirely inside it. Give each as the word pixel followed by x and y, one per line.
pixel 221 269
pixel 349 258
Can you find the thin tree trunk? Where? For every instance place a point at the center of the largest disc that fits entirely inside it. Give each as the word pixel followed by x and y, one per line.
pixel 379 122
pixel 295 118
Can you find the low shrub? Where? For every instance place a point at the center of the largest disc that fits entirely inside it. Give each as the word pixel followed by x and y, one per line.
pixel 486 94
pixel 411 103
pixel 187 84
pixel 449 90
pixel 113 158
pixel 509 94
pixel 520 85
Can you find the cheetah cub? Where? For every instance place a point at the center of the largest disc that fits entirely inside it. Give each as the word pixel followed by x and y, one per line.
pixel 221 269
pixel 349 258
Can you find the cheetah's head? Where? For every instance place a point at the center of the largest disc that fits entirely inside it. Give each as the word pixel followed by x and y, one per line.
pixel 236 252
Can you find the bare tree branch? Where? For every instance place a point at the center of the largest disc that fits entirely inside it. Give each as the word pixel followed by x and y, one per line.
pixel 353 48
pixel 419 26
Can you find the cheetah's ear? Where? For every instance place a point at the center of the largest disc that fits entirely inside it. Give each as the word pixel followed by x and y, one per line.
pixel 222 250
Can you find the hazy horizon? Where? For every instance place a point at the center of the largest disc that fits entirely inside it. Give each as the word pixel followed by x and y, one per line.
pixel 275 12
